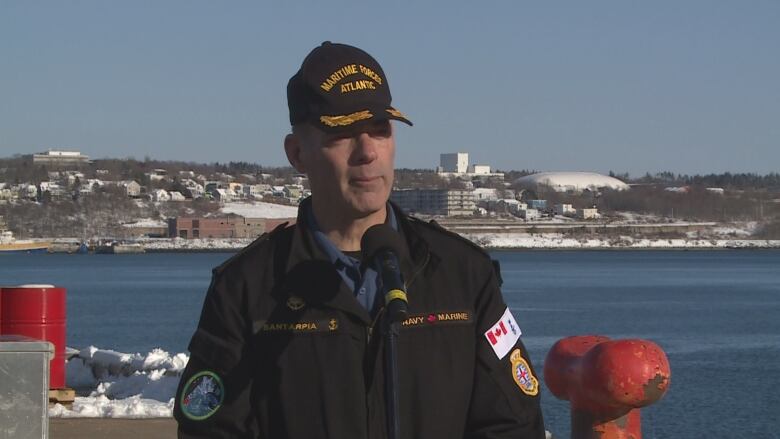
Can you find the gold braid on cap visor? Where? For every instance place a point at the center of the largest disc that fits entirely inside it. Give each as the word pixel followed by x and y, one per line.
pixel 396 113
pixel 348 119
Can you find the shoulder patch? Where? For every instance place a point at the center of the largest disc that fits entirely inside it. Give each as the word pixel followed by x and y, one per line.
pixel 257 242
pixel 503 335
pixel 522 374
pixel 202 395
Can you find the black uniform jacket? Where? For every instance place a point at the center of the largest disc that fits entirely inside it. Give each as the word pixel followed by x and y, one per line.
pixel 300 358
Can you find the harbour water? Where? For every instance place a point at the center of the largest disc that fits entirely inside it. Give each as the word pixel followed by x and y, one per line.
pixel 716 313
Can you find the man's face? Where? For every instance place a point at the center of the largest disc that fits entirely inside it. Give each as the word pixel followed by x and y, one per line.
pixel 350 171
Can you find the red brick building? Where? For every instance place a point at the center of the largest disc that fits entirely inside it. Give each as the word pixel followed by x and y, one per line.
pixel 233 226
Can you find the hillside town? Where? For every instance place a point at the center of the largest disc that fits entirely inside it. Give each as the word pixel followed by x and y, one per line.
pixel 61 200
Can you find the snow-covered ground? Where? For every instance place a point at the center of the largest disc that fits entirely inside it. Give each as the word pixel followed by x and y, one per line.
pixel 146 222
pixel 120 385
pixel 730 238
pixel 638 218
pixel 558 241
pixel 198 244
pixel 711 235
pixel 260 210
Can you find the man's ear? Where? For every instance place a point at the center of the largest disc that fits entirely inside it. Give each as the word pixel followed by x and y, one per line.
pixel 293 148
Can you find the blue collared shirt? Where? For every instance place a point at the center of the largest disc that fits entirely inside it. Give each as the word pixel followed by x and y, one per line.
pixel 363 284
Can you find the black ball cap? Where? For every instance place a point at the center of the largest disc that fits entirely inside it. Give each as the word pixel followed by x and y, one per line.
pixel 339 86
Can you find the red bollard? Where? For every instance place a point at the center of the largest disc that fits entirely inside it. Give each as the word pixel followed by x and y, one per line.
pixel 606 381
pixel 37 311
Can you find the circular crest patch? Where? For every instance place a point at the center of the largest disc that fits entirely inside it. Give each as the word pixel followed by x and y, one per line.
pixel 202 396
pixel 521 372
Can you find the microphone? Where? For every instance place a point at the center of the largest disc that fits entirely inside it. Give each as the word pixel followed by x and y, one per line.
pixel 382 245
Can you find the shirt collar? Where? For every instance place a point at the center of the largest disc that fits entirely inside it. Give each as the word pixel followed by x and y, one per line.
pixel 333 253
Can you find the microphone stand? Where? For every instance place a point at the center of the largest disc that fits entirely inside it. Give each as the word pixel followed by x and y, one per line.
pixel 396 311
pixel 391 378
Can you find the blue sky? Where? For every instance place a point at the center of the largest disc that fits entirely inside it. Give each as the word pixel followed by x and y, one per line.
pixel 685 86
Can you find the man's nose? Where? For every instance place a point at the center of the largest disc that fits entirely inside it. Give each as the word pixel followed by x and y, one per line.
pixel 365 148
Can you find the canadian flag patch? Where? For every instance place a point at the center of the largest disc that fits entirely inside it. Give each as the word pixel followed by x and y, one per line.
pixel 503 335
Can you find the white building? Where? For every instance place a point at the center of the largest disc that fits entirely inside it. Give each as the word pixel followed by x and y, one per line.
pixel 54 189
pixel 456 165
pixel 299 179
pixel 509 205
pixel 160 195
pixel 277 191
pixel 73 176
pixel 176 196
pixel 257 191
pixel 89 186
pixel 528 214
pixel 222 195
pixel 479 169
pixel 59 157
pixel 457 162
pixel 6 194
pixel 131 187
pixel 26 191
pixel 448 202
pixel 293 191
pixel 485 194
pixel 157 175
pixel 194 188
pixel 570 181
pixel 565 209
pixel 586 214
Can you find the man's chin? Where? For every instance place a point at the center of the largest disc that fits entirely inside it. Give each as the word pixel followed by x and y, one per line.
pixel 368 205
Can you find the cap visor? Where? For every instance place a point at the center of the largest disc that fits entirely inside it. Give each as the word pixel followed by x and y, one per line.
pixel 394 114
pixel 359 117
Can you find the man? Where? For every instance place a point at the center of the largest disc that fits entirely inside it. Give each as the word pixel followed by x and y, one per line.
pixel 288 344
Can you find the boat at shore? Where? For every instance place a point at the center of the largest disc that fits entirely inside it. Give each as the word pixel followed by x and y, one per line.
pixel 118 248
pixel 9 244
pixel 69 246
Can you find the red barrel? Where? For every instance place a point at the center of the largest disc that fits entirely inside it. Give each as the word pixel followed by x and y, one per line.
pixel 37 311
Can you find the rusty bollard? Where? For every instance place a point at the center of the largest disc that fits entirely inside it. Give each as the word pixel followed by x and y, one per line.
pixel 607 382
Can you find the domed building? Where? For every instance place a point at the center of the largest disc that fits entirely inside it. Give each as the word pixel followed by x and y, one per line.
pixel 569 182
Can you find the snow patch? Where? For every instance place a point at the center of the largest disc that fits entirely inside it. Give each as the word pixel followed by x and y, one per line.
pixel 558 241
pixel 181 244
pixel 261 210
pixel 146 222
pixel 121 385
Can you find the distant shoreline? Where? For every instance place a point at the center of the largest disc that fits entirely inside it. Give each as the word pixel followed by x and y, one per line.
pixel 502 242
pixel 528 249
